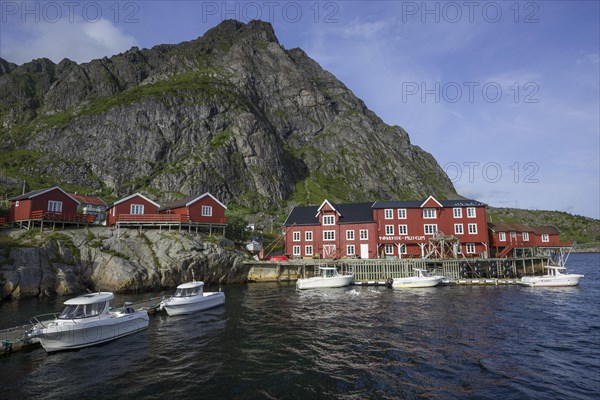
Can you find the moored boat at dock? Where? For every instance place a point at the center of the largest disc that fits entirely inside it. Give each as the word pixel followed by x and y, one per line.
pixel 553 277
pixel 421 278
pixel 190 297
pixel 86 320
pixel 329 278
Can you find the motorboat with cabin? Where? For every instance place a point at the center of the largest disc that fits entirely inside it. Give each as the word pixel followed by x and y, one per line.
pixel 421 278
pixel 329 278
pixel 86 320
pixel 190 297
pixel 554 277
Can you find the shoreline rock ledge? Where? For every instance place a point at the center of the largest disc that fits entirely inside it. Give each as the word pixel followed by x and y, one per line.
pixel 70 262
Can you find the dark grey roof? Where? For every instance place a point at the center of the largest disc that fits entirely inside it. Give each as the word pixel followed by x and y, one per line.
pixel 417 204
pixel 350 213
pixel 178 203
pixel 30 194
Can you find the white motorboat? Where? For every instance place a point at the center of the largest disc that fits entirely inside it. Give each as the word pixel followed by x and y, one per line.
pixel 421 278
pixel 87 320
pixel 553 277
pixel 190 297
pixel 329 278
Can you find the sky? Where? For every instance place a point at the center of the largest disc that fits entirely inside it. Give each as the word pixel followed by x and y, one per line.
pixel 504 94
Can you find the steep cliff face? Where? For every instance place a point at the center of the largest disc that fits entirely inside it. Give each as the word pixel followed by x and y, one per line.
pixel 232 112
pixel 73 261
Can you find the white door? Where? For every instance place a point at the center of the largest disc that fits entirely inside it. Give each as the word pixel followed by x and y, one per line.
pixel 364 251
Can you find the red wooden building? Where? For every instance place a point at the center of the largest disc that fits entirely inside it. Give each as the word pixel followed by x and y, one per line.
pixel 91 205
pixel 405 228
pixel 202 209
pixel 133 208
pixel 50 204
pixel 331 231
pixel 505 237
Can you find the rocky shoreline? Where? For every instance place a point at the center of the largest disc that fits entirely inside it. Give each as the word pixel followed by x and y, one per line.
pixel 70 262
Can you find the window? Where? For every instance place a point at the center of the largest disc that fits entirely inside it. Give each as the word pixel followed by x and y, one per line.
pixel 389 249
pixel 473 228
pixel 429 213
pixel 349 235
pixel 389 230
pixel 296 250
pixel 207 211
pixel 457 213
pixel 402 229
pixel 308 236
pixel 471 212
pixel 350 250
pixel 55 206
pixel 17 203
pixel 525 236
pixel 328 235
pixel 430 229
pixel 402 213
pixel 296 236
pixel 402 248
pixel 308 250
pixel 328 219
pixel 136 209
pixel 470 248
pixel 389 213
pixel 364 234
pixel 458 229
pixel 513 236
pixel 545 237
pixel 502 236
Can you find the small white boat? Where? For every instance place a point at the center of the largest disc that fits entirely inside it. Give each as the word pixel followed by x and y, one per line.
pixel 329 279
pixel 553 277
pixel 421 278
pixel 254 246
pixel 86 321
pixel 190 297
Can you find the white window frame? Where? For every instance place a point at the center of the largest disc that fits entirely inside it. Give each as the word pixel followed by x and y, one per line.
pixel 308 236
pixel 471 212
pixel 207 211
pixel 434 226
pixel 502 236
pixel 389 249
pixel 402 229
pixel 457 212
pixel 526 236
pixel 470 248
pixel 308 250
pixel 328 219
pixel 402 213
pixel 350 234
pixel 296 250
pixel 350 250
pixel 328 235
pixel 55 206
pixel 17 203
pixel 472 229
pixel 364 234
pixel 459 229
pixel 136 209
pixel 296 236
pixel 388 213
pixel 429 213
pixel 545 238
pixel 389 230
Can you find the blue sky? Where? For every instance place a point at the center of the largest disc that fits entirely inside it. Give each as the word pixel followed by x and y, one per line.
pixel 504 94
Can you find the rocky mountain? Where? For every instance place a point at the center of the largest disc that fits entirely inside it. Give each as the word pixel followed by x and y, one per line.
pixel 232 112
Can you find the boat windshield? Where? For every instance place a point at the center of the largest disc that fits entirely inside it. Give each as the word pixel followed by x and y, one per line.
pixel 329 273
pixel 74 311
pixel 187 292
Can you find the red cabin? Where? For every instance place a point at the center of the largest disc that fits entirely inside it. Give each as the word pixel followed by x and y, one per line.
pixel 202 209
pixel 44 204
pixel 131 208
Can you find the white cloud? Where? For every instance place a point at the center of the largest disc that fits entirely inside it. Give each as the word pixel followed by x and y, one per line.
pixel 79 41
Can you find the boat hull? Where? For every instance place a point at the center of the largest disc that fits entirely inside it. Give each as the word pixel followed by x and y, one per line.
pixel 320 282
pixel 76 334
pixel 188 305
pixel 552 281
pixel 415 282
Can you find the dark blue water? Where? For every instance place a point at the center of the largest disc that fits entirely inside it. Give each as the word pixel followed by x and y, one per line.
pixel 272 342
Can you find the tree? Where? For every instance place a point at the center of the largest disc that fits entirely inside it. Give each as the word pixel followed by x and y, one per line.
pixel 237 229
